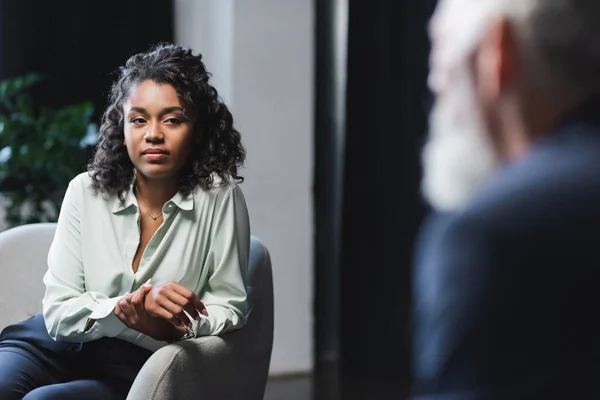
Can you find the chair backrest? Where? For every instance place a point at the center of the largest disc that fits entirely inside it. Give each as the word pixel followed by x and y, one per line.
pixel 23 262
pixel 258 331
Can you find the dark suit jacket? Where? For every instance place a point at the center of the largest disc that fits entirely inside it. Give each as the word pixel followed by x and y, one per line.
pixel 507 292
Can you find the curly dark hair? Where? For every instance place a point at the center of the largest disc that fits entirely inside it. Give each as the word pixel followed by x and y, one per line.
pixel 217 148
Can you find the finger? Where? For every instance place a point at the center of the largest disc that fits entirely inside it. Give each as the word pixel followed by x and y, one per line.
pixel 184 303
pixel 122 302
pixel 126 308
pixel 196 304
pixel 140 295
pixel 128 296
pixel 118 309
pixel 204 311
pixel 169 317
pixel 181 329
pixel 121 314
pixel 199 306
pixel 124 318
pixel 147 286
pixel 168 298
pixel 175 309
pixel 182 290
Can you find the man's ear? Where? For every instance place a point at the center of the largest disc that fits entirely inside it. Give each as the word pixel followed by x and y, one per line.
pixel 496 60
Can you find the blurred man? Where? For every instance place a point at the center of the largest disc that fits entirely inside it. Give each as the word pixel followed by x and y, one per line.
pixel 507 284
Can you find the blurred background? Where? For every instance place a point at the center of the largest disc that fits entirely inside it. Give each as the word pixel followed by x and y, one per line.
pixel 330 97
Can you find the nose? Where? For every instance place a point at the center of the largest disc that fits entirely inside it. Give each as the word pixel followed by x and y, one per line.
pixel 154 133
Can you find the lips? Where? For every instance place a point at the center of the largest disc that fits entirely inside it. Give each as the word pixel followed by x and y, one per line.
pixel 154 151
pixel 154 154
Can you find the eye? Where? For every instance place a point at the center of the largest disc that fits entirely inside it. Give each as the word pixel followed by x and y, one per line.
pixel 173 121
pixel 137 120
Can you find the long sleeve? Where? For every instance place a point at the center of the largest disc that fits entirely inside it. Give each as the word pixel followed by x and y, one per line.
pixel 479 314
pixel 67 306
pixel 225 294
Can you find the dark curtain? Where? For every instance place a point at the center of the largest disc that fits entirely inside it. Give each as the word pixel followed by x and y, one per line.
pixel 387 106
pixel 78 45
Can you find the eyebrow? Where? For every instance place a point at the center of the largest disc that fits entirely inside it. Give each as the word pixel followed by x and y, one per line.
pixel 164 111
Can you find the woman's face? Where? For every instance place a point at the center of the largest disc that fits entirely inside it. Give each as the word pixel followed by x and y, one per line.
pixel 157 135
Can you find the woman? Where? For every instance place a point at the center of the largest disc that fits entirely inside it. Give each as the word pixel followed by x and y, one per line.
pixel 151 244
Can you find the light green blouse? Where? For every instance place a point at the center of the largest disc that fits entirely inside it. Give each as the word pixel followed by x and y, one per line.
pixel 203 244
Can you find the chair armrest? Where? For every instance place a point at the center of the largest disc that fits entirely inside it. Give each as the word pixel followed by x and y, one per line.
pixel 231 366
pixel 209 367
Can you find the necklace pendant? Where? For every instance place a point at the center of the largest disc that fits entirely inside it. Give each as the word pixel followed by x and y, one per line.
pixel 153 217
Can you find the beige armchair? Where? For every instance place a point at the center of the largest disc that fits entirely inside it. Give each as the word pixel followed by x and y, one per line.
pixel 232 366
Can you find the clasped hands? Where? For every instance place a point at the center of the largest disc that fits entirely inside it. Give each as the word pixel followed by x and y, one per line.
pixel 158 311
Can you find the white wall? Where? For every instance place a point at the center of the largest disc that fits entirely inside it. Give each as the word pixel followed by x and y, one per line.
pixel 207 26
pixel 268 76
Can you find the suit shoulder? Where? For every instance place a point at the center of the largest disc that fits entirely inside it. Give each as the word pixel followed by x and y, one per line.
pixel 556 178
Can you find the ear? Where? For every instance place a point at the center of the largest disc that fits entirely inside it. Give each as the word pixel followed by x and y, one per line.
pixel 496 59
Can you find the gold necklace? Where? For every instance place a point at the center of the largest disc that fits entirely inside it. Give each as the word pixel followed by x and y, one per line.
pixel 147 212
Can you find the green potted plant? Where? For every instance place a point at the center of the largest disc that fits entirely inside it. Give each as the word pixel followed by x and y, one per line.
pixel 41 150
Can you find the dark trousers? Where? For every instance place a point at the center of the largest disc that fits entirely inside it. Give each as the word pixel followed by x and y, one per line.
pixel 33 366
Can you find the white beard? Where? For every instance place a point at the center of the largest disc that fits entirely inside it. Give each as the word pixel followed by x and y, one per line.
pixel 458 159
